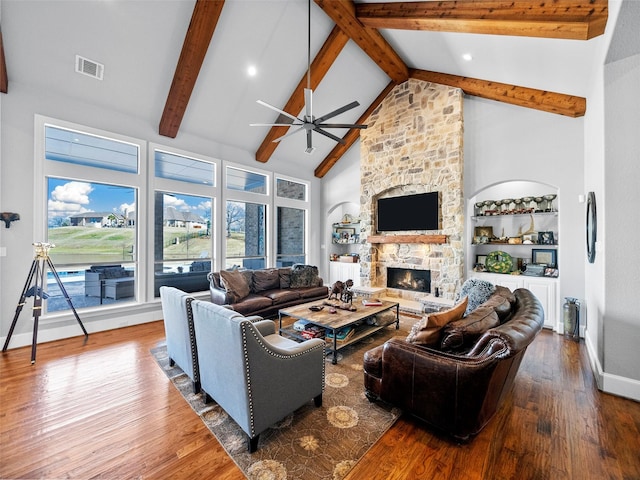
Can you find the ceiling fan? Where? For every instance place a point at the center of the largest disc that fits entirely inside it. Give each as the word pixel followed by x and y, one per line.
pixel 309 123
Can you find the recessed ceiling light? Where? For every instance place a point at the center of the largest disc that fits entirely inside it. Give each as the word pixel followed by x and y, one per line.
pixel 467 57
pixel 251 71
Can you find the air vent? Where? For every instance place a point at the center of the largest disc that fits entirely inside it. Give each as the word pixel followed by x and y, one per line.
pixel 89 67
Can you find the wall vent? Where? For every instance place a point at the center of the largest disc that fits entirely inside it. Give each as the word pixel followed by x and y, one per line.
pixel 89 67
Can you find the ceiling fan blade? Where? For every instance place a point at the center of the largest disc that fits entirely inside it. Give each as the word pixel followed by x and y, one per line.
pixel 340 125
pixel 274 124
pixel 308 104
pixel 336 112
pixel 265 104
pixel 291 132
pixel 330 135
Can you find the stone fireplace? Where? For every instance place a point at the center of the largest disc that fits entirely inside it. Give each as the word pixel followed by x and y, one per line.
pixel 414 144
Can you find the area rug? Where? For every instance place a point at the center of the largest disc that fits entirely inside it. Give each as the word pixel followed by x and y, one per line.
pixel 311 443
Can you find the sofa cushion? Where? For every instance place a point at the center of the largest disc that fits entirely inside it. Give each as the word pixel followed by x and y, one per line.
pixel 248 276
pixel 285 277
pixel 281 296
pixel 500 304
pixel 311 292
pixel 427 330
pixel 304 276
pixel 235 284
pixel 252 303
pixel 266 279
pixel 478 292
pixel 506 293
pixel 462 333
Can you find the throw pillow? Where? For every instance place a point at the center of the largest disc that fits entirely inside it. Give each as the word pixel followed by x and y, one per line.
pixel 235 284
pixel 478 292
pixel 427 331
pixel 285 277
pixel 265 279
pixel 304 276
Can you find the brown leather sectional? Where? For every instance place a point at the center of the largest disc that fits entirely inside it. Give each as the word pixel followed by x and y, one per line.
pixel 269 291
pixel 456 391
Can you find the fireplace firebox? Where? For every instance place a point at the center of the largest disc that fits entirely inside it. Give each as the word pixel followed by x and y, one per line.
pixel 409 279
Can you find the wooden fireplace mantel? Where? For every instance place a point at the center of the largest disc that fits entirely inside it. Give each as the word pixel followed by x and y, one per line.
pixel 406 239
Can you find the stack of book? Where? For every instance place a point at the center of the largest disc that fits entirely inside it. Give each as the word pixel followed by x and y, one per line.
pixel 342 335
pixel 313 331
pixel 371 302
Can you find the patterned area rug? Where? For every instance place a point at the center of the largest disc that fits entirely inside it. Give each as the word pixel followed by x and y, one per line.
pixel 311 443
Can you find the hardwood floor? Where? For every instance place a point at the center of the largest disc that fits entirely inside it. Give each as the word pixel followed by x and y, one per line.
pixel 105 410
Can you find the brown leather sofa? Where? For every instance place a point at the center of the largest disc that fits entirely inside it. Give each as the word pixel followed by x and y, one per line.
pixel 456 392
pixel 268 290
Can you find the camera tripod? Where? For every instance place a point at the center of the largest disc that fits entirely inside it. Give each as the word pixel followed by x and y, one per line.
pixel 36 275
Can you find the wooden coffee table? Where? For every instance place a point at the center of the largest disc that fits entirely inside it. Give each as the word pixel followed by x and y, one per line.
pixel 332 322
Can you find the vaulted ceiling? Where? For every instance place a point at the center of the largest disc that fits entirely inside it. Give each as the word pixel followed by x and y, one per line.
pixel 182 64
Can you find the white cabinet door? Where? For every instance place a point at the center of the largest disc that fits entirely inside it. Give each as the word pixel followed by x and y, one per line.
pixel 334 272
pixel 343 272
pixel 545 289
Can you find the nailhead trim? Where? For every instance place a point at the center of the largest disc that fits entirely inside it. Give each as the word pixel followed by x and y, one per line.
pixel 192 338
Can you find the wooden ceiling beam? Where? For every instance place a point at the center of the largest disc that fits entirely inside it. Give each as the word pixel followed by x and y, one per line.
pixel 343 13
pixel 321 64
pixel 351 136
pixel 196 43
pixel 551 102
pixel 4 79
pixel 566 19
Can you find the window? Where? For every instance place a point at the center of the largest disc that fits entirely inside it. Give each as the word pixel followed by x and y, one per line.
pixel 184 197
pixel 123 227
pixel 291 221
pixel 69 146
pixel 291 230
pixel 246 232
pixel 290 189
pixel 186 169
pixel 92 198
pixel 246 181
pixel 182 239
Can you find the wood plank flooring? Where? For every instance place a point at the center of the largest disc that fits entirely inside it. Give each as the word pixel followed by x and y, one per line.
pixel 105 410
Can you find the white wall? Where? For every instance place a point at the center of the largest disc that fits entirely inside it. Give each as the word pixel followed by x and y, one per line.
pixel 621 165
pixel 17 195
pixel 505 143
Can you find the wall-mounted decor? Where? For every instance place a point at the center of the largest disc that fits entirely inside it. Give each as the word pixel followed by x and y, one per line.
pixel 592 227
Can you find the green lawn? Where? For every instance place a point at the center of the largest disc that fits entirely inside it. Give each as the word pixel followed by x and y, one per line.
pixel 118 243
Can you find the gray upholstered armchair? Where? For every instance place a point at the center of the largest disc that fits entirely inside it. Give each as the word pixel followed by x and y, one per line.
pixel 254 374
pixel 179 333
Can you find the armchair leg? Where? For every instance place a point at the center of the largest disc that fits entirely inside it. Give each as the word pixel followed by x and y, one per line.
pixel 318 400
pixel 206 397
pixel 171 362
pixel 196 387
pixel 253 443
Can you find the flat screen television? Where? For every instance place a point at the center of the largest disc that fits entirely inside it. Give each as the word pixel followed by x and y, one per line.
pixel 409 212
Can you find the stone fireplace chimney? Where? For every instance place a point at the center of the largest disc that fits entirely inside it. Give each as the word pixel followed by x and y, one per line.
pixel 414 144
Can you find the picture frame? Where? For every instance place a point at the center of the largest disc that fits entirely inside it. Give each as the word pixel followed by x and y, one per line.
pixel 481 259
pixel 345 232
pixel 544 256
pixel 546 238
pixel 530 238
pixel 550 272
pixel 485 231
